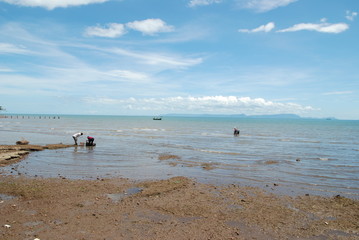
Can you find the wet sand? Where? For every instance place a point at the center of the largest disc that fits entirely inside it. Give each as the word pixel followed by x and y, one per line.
pixel 10 154
pixel 176 208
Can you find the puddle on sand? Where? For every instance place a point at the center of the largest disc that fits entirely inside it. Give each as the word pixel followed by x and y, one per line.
pixel 33 224
pixel 116 197
pixel 4 197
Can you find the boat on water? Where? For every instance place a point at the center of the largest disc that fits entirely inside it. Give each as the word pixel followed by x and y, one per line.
pixel 157 118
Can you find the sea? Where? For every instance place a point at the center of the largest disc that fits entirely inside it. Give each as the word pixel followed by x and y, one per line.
pixel 283 156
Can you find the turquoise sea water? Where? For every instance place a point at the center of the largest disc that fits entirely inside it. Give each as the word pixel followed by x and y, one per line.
pixel 298 155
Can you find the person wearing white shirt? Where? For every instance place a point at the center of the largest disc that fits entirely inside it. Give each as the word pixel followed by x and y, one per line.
pixel 76 136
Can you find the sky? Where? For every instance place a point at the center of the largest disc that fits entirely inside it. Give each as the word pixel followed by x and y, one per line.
pixel 154 57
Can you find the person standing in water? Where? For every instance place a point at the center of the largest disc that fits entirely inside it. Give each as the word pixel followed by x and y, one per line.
pixel 235 132
pixel 76 136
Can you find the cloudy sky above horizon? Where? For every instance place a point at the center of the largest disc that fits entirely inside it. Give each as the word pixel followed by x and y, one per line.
pixel 151 57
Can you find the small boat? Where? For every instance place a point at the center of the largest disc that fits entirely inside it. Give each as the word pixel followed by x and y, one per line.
pixel 157 118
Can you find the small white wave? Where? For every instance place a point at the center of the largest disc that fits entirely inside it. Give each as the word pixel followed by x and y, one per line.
pixel 285 140
pixel 219 152
pixel 323 159
pixel 215 134
pixel 308 141
pixel 148 129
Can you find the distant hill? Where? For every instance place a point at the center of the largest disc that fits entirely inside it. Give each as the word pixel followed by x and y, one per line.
pixel 282 116
pixel 286 116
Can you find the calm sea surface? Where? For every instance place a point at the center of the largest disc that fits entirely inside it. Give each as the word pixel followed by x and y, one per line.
pixel 281 155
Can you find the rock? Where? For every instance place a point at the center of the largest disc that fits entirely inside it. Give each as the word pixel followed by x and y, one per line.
pixel 22 142
pixel 12 155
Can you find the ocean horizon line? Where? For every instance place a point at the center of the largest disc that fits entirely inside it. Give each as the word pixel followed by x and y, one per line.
pixel 189 115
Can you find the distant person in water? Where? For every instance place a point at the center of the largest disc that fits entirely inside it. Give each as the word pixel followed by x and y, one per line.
pixel 235 132
pixel 90 141
pixel 76 136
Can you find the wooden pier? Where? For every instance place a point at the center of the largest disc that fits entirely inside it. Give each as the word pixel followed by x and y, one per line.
pixel 29 117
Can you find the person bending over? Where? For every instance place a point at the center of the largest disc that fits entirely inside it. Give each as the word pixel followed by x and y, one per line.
pixel 90 140
pixel 76 136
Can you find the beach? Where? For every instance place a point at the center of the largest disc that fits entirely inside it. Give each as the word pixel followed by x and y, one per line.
pixel 173 208
pixel 301 156
pixel 178 178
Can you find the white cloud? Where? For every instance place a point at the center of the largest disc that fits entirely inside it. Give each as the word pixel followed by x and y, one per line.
pixel 7 48
pixel 6 70
pixel 263 28
pixel 127 74
pixel 54 66
pixel 206 104
pixel 263 5
pixel 338 93
pixel 158 59
pixel 323 27
pixel 351 15
pixel 112 30
pixel 150 26
pixel 194 3
pixel 52 4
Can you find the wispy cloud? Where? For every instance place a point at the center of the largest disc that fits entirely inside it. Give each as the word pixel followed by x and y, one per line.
pixel 338 93
pixel 206 104
pixel 52 4
pixel 194 3
pixel 6 70
pixel 263 5
pixel 8 48
pixel 322 27
pixel 127 74
pixel 187 33
pixel 156 58
pixel 54 66
pixel 350 15
pixel 112 30
pixel 263 28
pixel 150 26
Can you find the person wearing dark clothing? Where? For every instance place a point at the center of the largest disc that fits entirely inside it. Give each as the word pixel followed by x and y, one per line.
pixel 90 141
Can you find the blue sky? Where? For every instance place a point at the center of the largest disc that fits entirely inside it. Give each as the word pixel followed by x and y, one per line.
pixel 150 57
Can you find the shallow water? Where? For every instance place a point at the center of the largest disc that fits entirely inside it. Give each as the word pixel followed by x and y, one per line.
pixel 298 155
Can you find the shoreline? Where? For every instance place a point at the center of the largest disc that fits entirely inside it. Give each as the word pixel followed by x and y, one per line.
pixel 10 154
pixel 175 208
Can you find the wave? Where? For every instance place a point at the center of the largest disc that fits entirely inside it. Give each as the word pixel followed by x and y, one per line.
pixel 217 152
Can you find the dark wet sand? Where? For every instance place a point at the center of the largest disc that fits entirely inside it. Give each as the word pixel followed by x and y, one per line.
pixel 10 154
pixel 176 208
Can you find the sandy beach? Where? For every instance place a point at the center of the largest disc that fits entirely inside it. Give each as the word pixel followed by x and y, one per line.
pixel 175 208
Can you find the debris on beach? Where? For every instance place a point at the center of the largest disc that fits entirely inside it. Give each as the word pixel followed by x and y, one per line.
pixel 166 209
pixel 168 156
pixel 269 162
pixel 10 154
pixel 22 142
pixel 208 166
